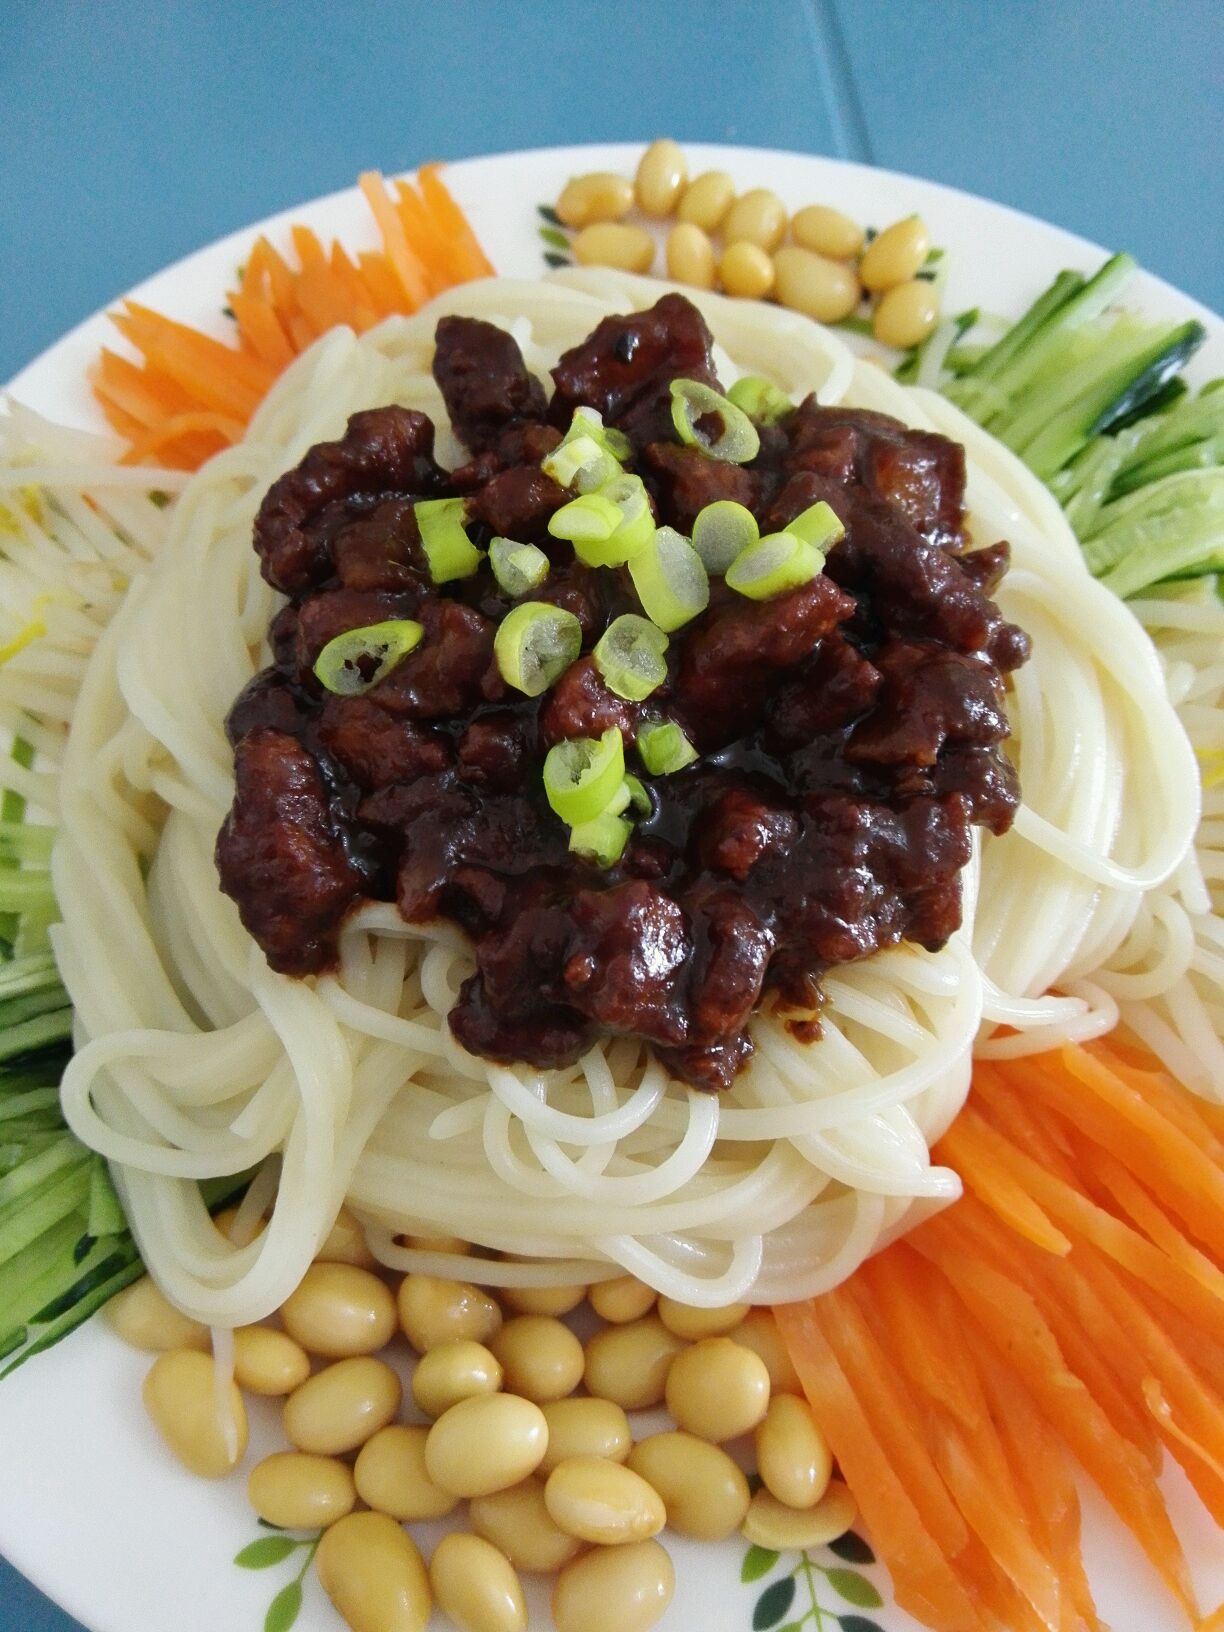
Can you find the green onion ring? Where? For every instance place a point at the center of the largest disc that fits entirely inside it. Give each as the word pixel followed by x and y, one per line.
pixel 630 657
pixel 773 565
pixel 760 399
pixel 663 747
pixel 534 645
pixel 448 549
pixel 819 524
pixel 721 531
pixel 359 658
pixel 583 776
pixel 738 440
pixel 517 567
pixel 670 579
pixel 602 840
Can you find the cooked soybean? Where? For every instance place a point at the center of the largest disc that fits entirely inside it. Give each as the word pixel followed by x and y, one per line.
pixel 342 1406
pixel 452 1372
pixel 582 1427
pixel 600 195
pixel 661 176
pixel 339 1310
pixel 486 1443
pixel 143 1316
pixel 705 1493
pixel 372 1572
pixel 616 244
pixel 391 1476
pixel 297 1491
pixel 180 1395
pixel 541 1358
pixel 268 1362
pixel 433 1311
pixel 793 1456
pixel 770 1523
pixel 717 1389
pixel 603 1502
pixel 517 1521
pixel 629 1364
pixel 475 1585
pixel 614 1589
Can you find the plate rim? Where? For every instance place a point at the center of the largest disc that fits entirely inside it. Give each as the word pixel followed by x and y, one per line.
pixel 1069 242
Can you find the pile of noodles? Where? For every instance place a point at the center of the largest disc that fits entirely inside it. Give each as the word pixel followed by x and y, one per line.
pixel 195 1060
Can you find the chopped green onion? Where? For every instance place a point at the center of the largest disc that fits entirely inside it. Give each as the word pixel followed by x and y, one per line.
pixel 448 549
pixel 774 564
pixel 663 748
pixel 630 656
pixel 819 524
pixel 602 839
pixel 670 579
pixel 760 399
pixel 692 403
pixel 721 531
pixel 638 796
pixel 592 519
pixel 633 531
pixel 359 658
pixel 517 567
pixel 535 643
pixel 583 776
pixel 588 455
pixel 616 442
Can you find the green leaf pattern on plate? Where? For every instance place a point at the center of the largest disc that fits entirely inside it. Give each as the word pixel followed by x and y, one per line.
pixel 804 1580
pixel 286 1606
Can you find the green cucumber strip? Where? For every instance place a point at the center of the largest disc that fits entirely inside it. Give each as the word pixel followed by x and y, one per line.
pixel 33 1173
pixel 24 1223
pixel 78 1315
pixel 105 1213
pixel 36 1033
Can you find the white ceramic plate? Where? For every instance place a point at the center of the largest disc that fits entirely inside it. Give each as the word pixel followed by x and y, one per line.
pixel 91 1508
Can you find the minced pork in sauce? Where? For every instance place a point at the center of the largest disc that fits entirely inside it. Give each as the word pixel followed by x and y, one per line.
pixel 849 731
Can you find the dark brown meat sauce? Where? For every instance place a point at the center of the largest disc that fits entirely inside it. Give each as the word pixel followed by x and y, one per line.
pixel 850 731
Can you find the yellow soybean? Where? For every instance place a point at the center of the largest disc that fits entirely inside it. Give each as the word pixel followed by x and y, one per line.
pixel 485 1444
pixel 585 1428
pixel 295 1491
pixel 770 1523
pixel 143 1316
pixel 745 271
pixel 598 196
pixel 542 1300
pixel 814 285
pixel 340 1407
pixel 475 1585
pixel 518 1522
pixel 614 1589
pixel 339 1310
pixel 894 255
pixel 691 1323
pixel 759 1332
pixel 452 1372
pixel 661 176
pixel 373 1574
pixel 690 256
pixel 346 1243
pixel 391 1477
pixel 613 243
pixel 603 1502
pixel 793 1456
pixel 717 1389
pixel 827 231
pixel 622 1300
pixel 180 1394
pixel 541 1358
pixel 706 200
pixel 757 217
pixel 628 1364
pixel 268 1362
pixel 433 1311
pixel 705 1493
pixel 905 314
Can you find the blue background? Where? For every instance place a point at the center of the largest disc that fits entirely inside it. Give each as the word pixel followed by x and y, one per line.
pixel 132 133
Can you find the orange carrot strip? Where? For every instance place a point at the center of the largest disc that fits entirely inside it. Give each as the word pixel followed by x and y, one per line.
pixel 1015 1327
pixel 1198 1119
pixel 144 395
pixel 467 257
pixel 1070 1208
pixel 360 313
pixel 218 376
pixel 268 275
pixel 404 261
pixel 1041 1472
pixel 320 299
pixel 888 1402
pixel 425 235
pixel 964 1148
pixel 380 281
pixel 226 431
pixel 258 323
pixel 925 1581
pixel 974 1469
pixel 1147 1215
pixel 911 1302
pixel 1122 1122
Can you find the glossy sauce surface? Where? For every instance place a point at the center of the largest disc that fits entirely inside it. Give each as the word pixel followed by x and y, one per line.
pixel 849 731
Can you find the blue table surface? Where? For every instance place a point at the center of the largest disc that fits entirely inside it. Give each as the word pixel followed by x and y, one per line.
pixel 137 130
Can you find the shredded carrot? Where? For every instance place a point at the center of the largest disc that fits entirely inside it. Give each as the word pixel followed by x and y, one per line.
pixel 1069 1309
pixel 190 395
